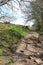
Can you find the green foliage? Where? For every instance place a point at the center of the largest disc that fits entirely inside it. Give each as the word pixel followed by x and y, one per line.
pixel 10 61
pixel 1 51
pixel 37 26
pixel 10 35
pixel 38 14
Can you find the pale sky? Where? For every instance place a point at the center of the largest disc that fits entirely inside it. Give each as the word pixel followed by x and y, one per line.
pixel 15 13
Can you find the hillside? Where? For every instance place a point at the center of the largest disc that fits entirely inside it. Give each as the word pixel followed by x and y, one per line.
pixel 19 46
pixel 10 34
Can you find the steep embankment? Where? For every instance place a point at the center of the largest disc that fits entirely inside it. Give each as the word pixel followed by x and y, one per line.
pixel 9 37
pixel 28 46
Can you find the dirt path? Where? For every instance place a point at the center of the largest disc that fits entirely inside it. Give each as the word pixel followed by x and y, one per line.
pixel 30 50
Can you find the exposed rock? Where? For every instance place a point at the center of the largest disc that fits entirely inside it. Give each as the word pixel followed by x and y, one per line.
pixel 21 47
pixel 32 34
pixel 30 48
pixel 38 60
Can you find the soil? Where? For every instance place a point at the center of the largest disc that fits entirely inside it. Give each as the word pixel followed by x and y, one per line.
pixel 29 50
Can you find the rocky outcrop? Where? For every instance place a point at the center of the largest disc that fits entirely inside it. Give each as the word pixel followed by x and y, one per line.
pixel 32 46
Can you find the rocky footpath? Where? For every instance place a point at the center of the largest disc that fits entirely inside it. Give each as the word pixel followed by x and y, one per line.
pixel 29 50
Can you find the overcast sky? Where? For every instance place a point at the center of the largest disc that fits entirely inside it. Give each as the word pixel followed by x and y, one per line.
pixel 15 13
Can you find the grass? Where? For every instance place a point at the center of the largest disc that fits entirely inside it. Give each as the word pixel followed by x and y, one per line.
pixel 10 34
pixel 20 29
pixel 10 61
pixel 6 60
pixel 1 51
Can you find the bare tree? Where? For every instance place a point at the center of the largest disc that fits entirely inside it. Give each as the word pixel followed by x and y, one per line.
pixel 24 6
pixel 7 4
pixel 2 2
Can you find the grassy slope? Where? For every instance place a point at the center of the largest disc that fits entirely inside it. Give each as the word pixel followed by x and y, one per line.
pixel 9 36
